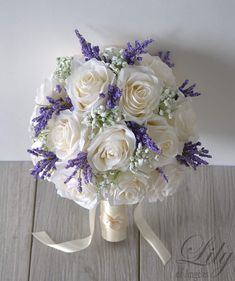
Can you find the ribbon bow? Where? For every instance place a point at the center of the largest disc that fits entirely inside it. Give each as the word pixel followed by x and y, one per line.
pixel 114 223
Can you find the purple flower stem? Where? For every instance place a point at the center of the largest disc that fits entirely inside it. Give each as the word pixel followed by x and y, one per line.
pixel 46 165
pixel 46 112
pixel 164 176
pixel 80 164
pixel 114 95
pixel 165 57
pixel 88 51
pixel 142 137
pixel 188 92
pixel 132 53
pixel 192 155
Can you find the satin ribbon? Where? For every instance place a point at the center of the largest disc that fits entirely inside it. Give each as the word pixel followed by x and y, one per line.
pixel 73 245
pixel 83 243
pixel 150 236
pixel 113 222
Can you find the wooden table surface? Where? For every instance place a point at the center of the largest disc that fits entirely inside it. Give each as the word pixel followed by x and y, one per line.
pixel 197 225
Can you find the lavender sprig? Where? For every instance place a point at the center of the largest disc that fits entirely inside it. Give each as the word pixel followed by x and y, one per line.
pixel 164 176
pixel 142 137
pixel 46 112
pixel 58 88
pixel 46 165
pixel 165 57
pixel 188 92
pixel 80 164
pixel 132 53
pixel 114 94
pixel 192 154
pixel 88 51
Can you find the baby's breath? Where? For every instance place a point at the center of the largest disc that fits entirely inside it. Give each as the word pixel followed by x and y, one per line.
pixel 42 139
pixel 142 156
pixel 101 117
pixel 63 68
pixel 114 59
pixel 167 104
pixel 105 181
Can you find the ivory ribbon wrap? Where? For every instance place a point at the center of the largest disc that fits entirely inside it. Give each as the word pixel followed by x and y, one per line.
pixel 113 221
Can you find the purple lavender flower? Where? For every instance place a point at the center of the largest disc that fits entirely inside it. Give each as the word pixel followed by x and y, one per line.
pixel 165 57
pixel 192 154
pixel 114 94
pixel 46 165
pixel 88 51
pixel 80 164
pixel 102 95
pixel 142 137
pixel 132 53
pixel 46 112
pixel 188 92
pixel 69 104
pixel 58 88
pixel 164 176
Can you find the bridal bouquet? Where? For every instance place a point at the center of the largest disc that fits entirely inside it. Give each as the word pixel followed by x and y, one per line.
pixel 114 125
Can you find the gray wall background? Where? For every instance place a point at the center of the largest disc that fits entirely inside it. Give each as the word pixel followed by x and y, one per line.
pixel 199 33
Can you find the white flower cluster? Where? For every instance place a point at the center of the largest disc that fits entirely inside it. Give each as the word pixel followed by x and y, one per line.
pixel 168 102
pixel 100 117
pixel 105 181
pixel 63 68
pixel 114 59
pixel 99 126
pixel 141 157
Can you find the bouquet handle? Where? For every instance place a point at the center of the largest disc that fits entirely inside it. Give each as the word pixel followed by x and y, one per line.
pixel 113 222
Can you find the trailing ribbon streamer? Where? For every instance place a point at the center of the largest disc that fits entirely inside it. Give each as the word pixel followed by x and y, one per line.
pixel 150 236
pixel 73 245
pixel 83 243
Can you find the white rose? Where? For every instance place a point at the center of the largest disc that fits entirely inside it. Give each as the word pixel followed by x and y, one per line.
pixel 88 198
pixel 141 92
pixel 49 88
pixel 184 121
pixel 86 82
pixel 159 188
pixel 175 173
pixel 129 190
pixel 165 138
pixel 66 135
pixel 112 148
pixel 161 70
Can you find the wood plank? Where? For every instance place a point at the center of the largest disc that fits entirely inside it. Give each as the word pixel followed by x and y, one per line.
pixel 205 206
pixel 64 220
pixel 17 190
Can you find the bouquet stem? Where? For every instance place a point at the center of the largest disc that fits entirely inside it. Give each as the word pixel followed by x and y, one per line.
pixel 113 221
